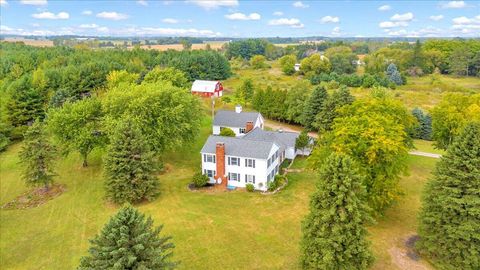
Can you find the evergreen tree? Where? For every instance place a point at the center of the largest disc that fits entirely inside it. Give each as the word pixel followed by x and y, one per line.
pixel 394 75
pixel 246 91
pixel 423 130
pixel 334 236
pixel 302 141
pixel 129 241
pixel 450 215
pixel 324 119
pixel 129 166
pixel 418 59
pixel 37 156
pixel 259 100
pixel 314 106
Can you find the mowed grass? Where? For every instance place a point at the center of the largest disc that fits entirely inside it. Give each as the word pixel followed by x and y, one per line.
pixel 224 230
pixel 427 146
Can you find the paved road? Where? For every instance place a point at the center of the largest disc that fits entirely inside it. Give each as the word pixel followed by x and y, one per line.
pixel 286 127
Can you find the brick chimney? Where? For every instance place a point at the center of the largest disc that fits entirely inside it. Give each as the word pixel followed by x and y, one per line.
pixel 248 126
pixel 220 153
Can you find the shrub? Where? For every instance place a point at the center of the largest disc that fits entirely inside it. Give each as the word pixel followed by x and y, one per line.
pixel 227 132
pixel 272 185
pixel 200 180
pixel 250 187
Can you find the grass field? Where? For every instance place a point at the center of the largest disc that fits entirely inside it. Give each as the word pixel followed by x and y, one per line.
pixel 32 42
pixel 226 230
pixel 214 45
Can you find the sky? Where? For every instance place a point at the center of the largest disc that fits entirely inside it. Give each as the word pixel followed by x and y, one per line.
pixel 237 18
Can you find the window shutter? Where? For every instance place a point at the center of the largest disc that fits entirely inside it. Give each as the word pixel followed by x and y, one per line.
pixel 246 162
pixel 254 179
pixel 228 160
pixel 254 163
pixel 215 159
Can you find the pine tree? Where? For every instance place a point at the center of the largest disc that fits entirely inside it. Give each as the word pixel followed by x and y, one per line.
pixel 129 241
pixel 37 156
pixel 394 75
pixel 129 166
pixel 334 236
pixel 314 106
pixel 324 119
pixel 423 129
pixel 450 216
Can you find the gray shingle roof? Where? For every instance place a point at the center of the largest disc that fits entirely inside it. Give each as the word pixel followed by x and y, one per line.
pixel 239 147
pixel 233 119
pixel 283 138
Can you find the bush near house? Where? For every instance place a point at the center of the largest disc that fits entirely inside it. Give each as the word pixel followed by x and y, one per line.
pixel 200 180
pixel 250 187
pixel 228 132
pixel 277 182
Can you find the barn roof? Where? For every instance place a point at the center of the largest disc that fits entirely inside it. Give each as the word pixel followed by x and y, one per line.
pixel 204 86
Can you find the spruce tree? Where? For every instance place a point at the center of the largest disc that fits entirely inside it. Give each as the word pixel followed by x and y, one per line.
pixel 37 156
pixel 314 106
pixel 129 241
pixel 334 236
pixel 450 216
pixel 324 119
pixel 129 166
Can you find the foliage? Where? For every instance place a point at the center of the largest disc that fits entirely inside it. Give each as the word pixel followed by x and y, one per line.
pixel 295 101
pixel 245 92
pixel 129 166
pixel 451 115
pixel 313 106
pixel 200 180
pixel 129 241
pixel 352 80
pixel 394 75
pixel 287 63
pixel 175 76
pixel 342 59
pixel 228 132
pixel 329 110
pixel 449 219
pixel 334 236
pixel 302 140
pixel 250 187
pixel 246 49
pixel 315 64
pixel 277 181
pixel 118 77
pixel 37 156
pixel 78 126
pixel 166 115
pixel 258 62
pixel 423 128
pixel 459 61
pixel 373 131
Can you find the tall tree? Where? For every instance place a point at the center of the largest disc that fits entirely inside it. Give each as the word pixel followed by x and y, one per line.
pixel 173 75
pixel 313 106
pixel 418 59
pixel 129 241
pixel 287 63
pixel 450 215
pixel 129 166
pixel 78 126
pixel 245 92
pixel 394 75
pixel 334 236
pixel 37 156
pixel 339 98
pixel 423 129
pixel 459 59
pixel 302 141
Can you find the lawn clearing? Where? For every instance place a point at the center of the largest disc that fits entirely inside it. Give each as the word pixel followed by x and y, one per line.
pixel 427 146
pixel 225 230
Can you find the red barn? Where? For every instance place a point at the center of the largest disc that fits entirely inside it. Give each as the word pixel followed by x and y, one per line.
pixel 207 88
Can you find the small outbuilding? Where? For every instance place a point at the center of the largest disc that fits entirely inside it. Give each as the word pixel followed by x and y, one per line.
pixel 207 88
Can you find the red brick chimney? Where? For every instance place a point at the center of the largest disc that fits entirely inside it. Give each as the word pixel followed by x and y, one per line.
pixel 220 153
pixel 248 126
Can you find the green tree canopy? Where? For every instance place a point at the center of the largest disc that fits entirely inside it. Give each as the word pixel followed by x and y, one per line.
pixel 287 63
pixel 129 241
pixel 78 126
pixel 450 215
pixel 334 236
pixel 228 132
pixel 175 76
pixel 258 62
pixel 313 106
pixel 315 64
pixel 329 111
pixel 37 156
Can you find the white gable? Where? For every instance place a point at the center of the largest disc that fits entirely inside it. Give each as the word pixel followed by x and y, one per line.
pixel 204 86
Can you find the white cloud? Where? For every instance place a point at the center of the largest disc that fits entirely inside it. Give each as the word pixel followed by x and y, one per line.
pixel 436 17
pixel 34 2
pixel 278 13
pixel 171 32
pixel 170 20
pixel 466 25
pixel 293 22
pixel 103 29
pixel 402 17
pixel 212 4
pixel 243 17
pixel 336 31
pixel 389 24
pixel 454 4
pixel 51 16
pixel 142 2
pixel 112 15
pixel 400 32
pixel 88 26
pixel 384 8
pixel 87 12
pixel 299 4
pixel 330 19
pixel 3 2
pixel 464 20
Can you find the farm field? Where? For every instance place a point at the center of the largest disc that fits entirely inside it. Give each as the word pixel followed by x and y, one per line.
pixel 31 42
pixel 206 227
pixel 179 47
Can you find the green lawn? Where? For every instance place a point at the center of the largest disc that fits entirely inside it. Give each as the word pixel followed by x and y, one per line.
pixel 226 230
pixel 427 146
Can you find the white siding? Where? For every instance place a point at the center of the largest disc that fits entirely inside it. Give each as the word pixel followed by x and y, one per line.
pixel 290 153
pixel 258 123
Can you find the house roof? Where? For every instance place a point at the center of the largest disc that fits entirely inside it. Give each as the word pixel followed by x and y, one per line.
pixel 204 86
pixel 239 147
pixel 283 138
pixel 234 119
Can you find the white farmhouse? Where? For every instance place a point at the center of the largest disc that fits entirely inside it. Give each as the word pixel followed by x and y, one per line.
pixel 239 121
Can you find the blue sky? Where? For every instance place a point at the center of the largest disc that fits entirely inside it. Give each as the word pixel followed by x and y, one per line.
pixel 232 18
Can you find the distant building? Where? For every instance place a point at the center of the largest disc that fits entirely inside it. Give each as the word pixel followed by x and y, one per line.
pixel 297 67
pixel 239 121
pixel 207 88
